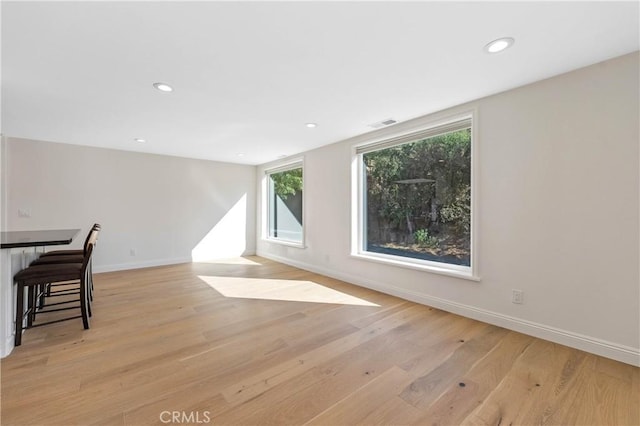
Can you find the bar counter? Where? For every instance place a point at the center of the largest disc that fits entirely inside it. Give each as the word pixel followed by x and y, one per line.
pixel 48 237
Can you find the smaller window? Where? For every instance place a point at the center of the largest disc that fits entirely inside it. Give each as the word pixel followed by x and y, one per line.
pixel 285 203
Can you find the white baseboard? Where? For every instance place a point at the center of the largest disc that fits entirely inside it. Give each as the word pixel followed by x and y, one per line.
pixel 593 345
pixel 151 263
pixel 137 265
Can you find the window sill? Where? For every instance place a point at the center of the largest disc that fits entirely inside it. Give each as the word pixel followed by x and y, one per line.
pixel 284 243
pixel 466 275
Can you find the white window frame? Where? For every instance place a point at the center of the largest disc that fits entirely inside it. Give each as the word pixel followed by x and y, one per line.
pixel 297 163
pixel 430 128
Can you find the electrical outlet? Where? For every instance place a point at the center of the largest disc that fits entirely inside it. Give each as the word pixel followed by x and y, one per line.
pixel 517 296
pixel 24 212
pixel 132 252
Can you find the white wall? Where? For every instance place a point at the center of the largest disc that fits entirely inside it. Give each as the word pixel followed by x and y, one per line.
pixel 557 214
pixel 163 207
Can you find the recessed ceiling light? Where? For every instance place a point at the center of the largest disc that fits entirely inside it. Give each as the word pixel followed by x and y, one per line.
pixel 241 155
pixel 163 87
pixel 311 125
pixel 140 140
pixel 499 45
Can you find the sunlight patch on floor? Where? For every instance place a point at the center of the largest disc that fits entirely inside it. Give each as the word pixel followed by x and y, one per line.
pixel 274 289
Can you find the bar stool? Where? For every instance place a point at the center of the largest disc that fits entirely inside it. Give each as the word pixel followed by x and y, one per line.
pixel 71 256
pixel 37 277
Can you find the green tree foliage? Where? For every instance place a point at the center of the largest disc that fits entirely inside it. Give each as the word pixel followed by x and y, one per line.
pixel 423 185
pixel 458 211
pixel 287 183
pixel 423 239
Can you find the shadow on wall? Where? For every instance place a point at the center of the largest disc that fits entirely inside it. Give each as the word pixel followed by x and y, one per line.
pixel 228 238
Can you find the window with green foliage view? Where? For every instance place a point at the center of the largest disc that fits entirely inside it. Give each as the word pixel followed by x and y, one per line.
pixel 285 205
pixel 417 198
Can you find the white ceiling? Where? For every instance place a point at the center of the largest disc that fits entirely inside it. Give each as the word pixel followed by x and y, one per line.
pixel 249 75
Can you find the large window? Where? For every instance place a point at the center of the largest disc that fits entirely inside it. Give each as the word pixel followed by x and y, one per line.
pixel 415 197
pixel 284 203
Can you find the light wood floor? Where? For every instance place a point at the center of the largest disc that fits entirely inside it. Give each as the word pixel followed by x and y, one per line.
pixel 164 339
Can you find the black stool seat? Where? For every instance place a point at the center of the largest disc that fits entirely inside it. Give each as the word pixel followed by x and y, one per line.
pixel 44 274
pixel 79 252
pixel 47 260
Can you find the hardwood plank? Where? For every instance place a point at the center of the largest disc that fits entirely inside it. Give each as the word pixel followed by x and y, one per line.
pixel 395 411
pixel 538 377
pixel 363 401
pixel 603 396
pixel 429 387
pixel 472 388
pixel 265 380
pixel 301 398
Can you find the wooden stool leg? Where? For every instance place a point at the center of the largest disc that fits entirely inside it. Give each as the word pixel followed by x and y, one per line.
pixel 84 299
pixel 91 280
pixel 42 291
pixel 89 302
pixel 31 308
pixel 19 314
